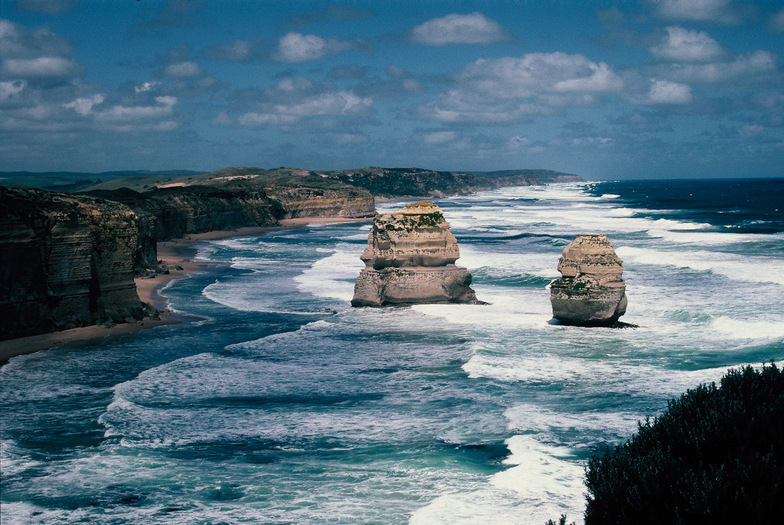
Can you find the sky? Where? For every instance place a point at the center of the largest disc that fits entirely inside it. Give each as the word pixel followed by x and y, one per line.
pixel 607 90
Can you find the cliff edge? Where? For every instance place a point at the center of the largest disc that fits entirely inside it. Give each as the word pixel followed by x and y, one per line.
pixel 65 261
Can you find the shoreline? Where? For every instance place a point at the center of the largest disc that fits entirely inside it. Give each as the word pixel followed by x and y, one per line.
pixel 177 255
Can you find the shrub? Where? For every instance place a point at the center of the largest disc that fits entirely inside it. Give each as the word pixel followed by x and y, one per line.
pixel 716 455
pixel 561 521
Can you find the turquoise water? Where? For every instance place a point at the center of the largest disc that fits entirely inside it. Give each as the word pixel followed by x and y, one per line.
pixel 275 402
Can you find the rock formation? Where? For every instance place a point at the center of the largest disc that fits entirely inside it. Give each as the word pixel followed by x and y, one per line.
pixel 410 259
pixel 179 211
pixel 591 291
pixel 65 261
pixel 233 198
pixel 346 202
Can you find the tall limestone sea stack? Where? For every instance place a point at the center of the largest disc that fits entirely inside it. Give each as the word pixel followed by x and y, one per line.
pixel 410 259
pixel 591 291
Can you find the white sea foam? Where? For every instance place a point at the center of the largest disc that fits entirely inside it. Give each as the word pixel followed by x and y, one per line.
pixel 713 238
pixel 726 327
pixel 332 276
pixel 14 459
pixel 739 267
pixel 543 421
pixel 594 376
pixel 549 478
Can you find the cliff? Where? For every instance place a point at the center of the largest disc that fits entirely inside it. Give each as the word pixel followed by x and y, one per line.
pixel 235 197
pixel 591 290
pixel 178 211
pixel 65 261
pixel 410 260
pixel 402 182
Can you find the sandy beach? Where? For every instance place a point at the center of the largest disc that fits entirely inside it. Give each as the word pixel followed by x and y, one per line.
pixel 177 255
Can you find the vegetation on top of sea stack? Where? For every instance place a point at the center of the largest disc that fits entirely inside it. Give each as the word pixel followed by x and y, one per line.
pixel 716 455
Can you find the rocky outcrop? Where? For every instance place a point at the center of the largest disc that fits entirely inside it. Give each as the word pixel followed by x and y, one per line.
pixel 65 261
pixel 591 291
pixel 410 259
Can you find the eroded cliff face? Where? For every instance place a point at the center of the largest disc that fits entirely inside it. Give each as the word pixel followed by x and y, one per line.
pixel 65 261
pixel 239 197
pixel 179 211
pixel 410 260
pixel 316 202
pixel 591 291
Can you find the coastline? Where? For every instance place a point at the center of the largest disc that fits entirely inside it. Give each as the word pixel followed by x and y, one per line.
pixel 177 255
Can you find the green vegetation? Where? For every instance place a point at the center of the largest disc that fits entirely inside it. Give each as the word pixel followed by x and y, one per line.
pixel 561 521
pixel 242 177
pixel 716 455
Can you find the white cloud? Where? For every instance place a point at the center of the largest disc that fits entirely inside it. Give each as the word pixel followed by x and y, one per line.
pixel 509 89
pixel 683 45
pixel 18 41
pixel 50 7
pixel 776 22
pixel 666 92
pixel 351 138
pixel 184 69
pixel 720 11
pixel 295 100
pixel 238 51
pixel 35 53
pixel 518 142
pixel 296 47
pixel 459 29
pixel 84 105
pixel 146 86
pixel 337 103
pixel 601 79
pixel 130 113
pixel 743 67
pixel 41 67
pixel 538 73
pixel 9 89
pixel 439 137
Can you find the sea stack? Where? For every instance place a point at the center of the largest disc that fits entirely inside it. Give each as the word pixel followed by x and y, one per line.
pixel 410 259
pixel 591 291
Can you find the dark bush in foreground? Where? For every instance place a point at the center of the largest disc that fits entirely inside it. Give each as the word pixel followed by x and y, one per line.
pixel 716 455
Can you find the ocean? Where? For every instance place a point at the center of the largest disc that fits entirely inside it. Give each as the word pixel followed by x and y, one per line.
pixel 276 402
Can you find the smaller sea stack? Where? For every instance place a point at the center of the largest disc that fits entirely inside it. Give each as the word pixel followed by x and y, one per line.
pixel 410 259
pixel 591 291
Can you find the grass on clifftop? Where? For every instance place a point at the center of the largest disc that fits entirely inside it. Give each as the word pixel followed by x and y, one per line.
pixel 245 177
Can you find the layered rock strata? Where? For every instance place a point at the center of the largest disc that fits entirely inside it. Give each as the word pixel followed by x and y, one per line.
pixel 65 261
pixel 303 202
pixel 410 259
pixel 591 291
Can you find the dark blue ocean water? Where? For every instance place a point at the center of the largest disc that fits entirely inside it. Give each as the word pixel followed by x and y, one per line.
pixel 276 402
pixel 744 205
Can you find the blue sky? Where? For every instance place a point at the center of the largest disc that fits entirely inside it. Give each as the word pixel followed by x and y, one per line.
pixel 608 90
